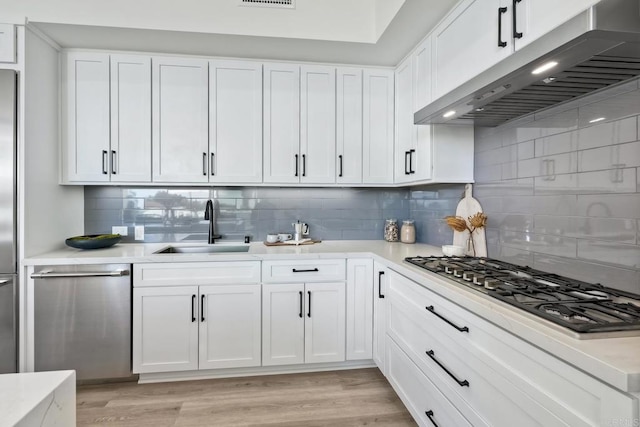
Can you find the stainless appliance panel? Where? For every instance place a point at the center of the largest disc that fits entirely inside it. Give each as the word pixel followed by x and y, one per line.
pixel 8 321
pixel 8 171
pixel 82 320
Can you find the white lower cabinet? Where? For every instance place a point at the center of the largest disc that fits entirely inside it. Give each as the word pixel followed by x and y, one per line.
pixel 303 323
pixel 473 364
pixel 190 327
pixel 380 274
pixel 359 309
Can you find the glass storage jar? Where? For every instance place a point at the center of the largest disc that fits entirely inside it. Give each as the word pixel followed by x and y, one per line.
pixel 391 230
pixel 408 231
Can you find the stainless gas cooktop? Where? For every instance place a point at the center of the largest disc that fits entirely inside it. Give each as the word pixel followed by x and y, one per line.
pixel 585 308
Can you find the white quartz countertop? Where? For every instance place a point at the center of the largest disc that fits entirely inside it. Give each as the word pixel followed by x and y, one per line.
pixel 29 397
pixel 614 360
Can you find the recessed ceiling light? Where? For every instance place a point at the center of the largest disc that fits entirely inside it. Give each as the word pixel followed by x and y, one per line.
pixel 599 119
pixel 541 69
pixel 449 114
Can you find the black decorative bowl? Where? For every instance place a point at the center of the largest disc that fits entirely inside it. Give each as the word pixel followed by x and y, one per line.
pixel 93 241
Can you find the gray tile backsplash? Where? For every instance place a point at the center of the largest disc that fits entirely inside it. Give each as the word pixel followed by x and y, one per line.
pixel 173 214
pixel 573 206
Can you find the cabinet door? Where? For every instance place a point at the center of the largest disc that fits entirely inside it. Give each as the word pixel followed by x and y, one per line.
pixel 349 125
pixel 7 43
pixel 406 132
pixel 466 43
pixel 86 131
pixel 130 155
pixel 380 301
pixel 422 75
pixel 229 326
pixel 377 127
pixel 281 123
pixel 359 309
pixel 235 121
pixel 318 124
pixel 324 329
pixel 165 329
pixel 535 18
pixel 282 324
pixel 180 120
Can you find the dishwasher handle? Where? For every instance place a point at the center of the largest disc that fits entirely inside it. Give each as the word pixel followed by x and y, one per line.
pixel 54 275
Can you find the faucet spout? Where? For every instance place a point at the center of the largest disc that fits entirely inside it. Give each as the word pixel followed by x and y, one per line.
pixel 209 215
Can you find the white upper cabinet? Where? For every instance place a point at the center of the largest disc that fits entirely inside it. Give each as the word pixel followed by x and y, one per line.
pixel 377 126
pixel 86 148
pixel 318 124
pixel 180 120
pixel 535 18
pixel 281 135
pixel 406 131
pixel 235 121
pixel 7 43
pixel 130 156
pixel 422 75
pixel 467 42
pixel 349 125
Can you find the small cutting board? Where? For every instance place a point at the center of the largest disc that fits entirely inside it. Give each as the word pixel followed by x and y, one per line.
pixel 292 243
pixel 467 207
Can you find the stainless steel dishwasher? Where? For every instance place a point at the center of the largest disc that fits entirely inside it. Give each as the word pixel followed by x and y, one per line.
pixel 82 320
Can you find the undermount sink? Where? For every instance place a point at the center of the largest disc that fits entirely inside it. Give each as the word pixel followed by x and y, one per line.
pixel 202 249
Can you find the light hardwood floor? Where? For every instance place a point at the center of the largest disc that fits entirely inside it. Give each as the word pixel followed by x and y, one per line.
pixel 356 397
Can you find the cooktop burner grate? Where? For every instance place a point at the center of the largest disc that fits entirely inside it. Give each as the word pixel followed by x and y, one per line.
pixel 579 306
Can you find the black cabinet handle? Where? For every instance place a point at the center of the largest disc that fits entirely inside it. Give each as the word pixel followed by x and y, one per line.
pixel 310 270
pixel 105 171
pixel 380 274
pixel 202 308
pixel 430 416
pixel 304 165
pixel 193 308
pixel 516 34
pixel 309 312
pixel 204 164
pixel 212 163
pixel 113 162
pixel 411 161
pixel 406 163
pixel 432 355
pixel 501 11
pixel 296 157
pixel 340 159
pixel 301 304
pixel 433 310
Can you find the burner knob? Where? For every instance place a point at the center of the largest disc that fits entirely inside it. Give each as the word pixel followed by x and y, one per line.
pixel 457 273
pixel 468 276
pixel 491 283
pixel 478 279
pixel 448 269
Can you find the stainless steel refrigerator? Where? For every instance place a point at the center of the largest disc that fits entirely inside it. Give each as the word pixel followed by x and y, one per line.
pixel 8 246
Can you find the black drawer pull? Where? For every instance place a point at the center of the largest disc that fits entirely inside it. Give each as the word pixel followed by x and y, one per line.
pixel 430 416
pixel 296 160
pixel 301 304
pixel 304 165
pixel 340 173
pixel 204 164
pixel 309 312
pixel 104 162
pixel 463 383
pixel 310 270
pixel 411 161
pixel 516 34
pixel 202 308
pixel 193 308
pixel 461 329
pixel 380 274
pixel 406 163
pixel 501 11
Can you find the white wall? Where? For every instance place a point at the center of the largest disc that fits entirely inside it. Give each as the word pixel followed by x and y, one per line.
pixel 50 212
pixel 350 20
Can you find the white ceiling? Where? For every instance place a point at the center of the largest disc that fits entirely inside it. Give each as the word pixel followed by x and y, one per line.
pixel 364 32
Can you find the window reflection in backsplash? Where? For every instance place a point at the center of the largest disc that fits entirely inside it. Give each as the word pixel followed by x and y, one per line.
pixel 173 214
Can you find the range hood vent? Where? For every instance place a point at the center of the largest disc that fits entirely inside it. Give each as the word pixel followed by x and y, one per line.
pixel 605 55
pixel 286 4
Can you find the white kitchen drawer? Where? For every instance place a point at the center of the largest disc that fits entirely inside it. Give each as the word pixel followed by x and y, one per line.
pixel 423 400
pixel 463 378
pixel 7 43
pixel 304 271
pixel 570 395
pixel 196 273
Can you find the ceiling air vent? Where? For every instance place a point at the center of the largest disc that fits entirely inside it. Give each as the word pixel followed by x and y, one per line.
pixel 281 4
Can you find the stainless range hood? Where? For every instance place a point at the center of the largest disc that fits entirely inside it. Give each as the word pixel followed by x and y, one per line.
pixel 597 49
